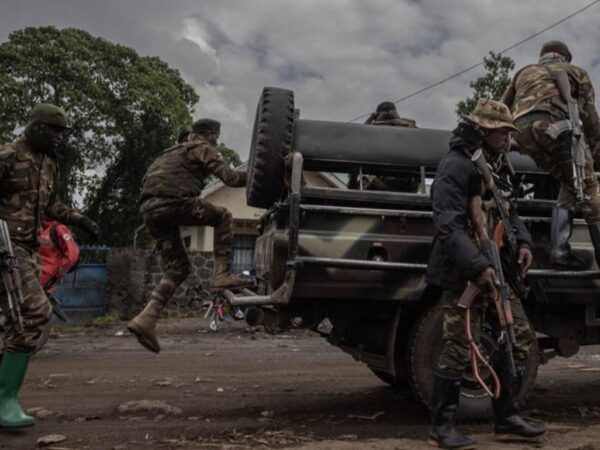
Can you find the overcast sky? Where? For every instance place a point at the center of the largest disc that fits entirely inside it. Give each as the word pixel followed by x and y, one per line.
pixel 340 57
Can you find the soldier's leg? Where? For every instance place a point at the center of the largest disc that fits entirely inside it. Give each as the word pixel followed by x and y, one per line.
pixel 18 346
pixel 177 267
pixel 448 372
pixel 509 425
pixel 200 212
pixel 554 156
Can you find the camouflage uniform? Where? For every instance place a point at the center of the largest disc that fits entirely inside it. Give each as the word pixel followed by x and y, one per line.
pixel 28 181
pixel 455 259
pixel 386 115
pixel 170 199
pixel 536 104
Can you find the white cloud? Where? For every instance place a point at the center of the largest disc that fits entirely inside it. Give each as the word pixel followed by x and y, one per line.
pixel 340 57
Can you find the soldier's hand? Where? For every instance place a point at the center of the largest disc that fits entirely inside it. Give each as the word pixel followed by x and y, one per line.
pixel 91 227
pixel 525 260
pixel 487 281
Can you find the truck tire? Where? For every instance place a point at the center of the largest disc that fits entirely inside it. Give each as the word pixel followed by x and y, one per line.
pixel 271 141
pixel 424 346
pixel 398 383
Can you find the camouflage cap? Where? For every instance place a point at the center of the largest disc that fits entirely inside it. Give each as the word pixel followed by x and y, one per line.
pixel 492 114
pixel 556 47
pixel 49 114
pixel 385 107
pixel 204 126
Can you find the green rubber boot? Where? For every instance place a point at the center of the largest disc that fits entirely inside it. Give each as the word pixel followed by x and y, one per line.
pixel 12 373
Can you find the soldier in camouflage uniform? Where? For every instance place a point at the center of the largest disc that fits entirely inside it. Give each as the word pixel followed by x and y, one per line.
pixel 386 115
pixel 28 182
pixel 536 105
pixel 456 259
pixel 170 198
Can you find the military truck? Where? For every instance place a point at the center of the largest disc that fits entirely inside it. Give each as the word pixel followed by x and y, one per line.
pixel 355 259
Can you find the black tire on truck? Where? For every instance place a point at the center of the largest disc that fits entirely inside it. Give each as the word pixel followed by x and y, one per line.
pixel 423 348
pixel 271 141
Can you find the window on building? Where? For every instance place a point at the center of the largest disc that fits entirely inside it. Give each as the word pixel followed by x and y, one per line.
pixel 243 252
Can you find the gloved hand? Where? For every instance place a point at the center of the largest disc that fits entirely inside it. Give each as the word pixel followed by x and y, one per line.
pixel 91 227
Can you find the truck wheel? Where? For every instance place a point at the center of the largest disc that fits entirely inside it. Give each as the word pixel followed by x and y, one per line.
pixel 424 346
pixel 271 141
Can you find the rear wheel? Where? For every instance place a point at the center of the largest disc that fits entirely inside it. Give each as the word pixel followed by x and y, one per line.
pixel 424 346
pixel 271 141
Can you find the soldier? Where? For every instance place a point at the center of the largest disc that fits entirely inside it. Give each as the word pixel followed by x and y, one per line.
pixel 28 181
pixel 456 259
pixel 386 115
pixel 171 198
pixel 536 104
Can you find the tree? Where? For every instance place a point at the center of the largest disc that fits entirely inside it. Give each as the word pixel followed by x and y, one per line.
pixel 124 110
pixel 491 85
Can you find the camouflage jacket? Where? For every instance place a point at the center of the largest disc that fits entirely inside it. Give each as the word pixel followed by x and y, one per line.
pixel 181 171
pixel 28 182
pixel 533 89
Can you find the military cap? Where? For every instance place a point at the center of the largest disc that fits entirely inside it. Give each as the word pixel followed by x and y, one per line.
pixel 49 114
pixel 182 134
pixel 386 107
pixel 556 47
pixel 204 126
pixel 492 114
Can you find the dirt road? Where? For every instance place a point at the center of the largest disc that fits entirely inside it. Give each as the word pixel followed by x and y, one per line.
pixel 236 389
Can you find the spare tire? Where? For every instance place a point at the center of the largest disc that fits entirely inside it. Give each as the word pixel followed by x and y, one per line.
pixel 271 141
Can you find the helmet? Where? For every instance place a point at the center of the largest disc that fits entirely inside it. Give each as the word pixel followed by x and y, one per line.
pixel 49 114
pixel 556 47
pixel 204 126
pixel 492 114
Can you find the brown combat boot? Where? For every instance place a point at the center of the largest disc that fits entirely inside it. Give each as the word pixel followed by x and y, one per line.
pixel 224 279
pixel 143 326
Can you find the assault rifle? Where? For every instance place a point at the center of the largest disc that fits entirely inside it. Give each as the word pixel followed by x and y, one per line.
pixel 572 124
pixel 490 248
pixel 11 278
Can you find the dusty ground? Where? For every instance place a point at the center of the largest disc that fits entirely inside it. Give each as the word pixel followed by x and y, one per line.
pixel 238 390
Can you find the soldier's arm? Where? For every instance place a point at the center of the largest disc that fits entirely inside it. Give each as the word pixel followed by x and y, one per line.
pixel 211 158
pixel 456 183
pixel 60 212
pixel 521 232
pixel 589 115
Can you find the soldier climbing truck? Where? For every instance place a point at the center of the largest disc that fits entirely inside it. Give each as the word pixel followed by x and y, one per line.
pixel 355 259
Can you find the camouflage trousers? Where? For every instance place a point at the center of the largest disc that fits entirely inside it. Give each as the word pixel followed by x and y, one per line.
pixel 163 217
pixel 554 156
pixel 455 354
pixel 35 310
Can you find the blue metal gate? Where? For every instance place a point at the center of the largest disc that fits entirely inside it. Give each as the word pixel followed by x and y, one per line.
pixel 83 291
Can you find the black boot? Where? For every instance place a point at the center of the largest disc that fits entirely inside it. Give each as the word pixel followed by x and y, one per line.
pixel 560 233
pixel 444 405
pixel 595 235
pixel 508 424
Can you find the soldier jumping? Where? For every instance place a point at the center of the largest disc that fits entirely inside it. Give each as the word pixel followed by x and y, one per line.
pixel 170 198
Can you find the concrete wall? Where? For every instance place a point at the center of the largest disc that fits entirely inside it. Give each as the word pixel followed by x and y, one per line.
pixel 133 274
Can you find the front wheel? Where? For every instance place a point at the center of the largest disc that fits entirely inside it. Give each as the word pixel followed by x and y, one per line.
pixel 424 346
